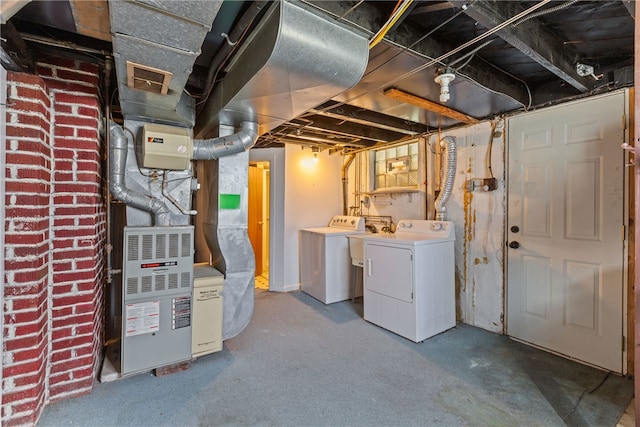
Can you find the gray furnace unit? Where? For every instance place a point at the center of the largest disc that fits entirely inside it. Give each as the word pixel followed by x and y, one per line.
pixel 156 299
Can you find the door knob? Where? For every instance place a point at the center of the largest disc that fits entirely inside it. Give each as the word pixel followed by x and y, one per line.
pixel 514 245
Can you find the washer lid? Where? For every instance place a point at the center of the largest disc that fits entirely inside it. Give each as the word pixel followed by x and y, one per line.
pixel 332 231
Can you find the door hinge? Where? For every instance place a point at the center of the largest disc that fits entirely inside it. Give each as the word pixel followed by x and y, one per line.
pixel 624 232
pixel 624 121
pixel 624 343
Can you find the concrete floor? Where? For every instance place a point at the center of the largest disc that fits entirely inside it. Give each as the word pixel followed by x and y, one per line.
pixel 301 362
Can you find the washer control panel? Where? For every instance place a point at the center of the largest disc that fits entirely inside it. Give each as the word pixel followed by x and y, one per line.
pixel 355 223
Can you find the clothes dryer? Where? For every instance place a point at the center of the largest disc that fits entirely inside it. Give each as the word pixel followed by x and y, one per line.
pixel 409 285
pixel 325 262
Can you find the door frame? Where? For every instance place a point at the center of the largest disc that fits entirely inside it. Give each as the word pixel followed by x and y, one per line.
pixel 628 348
pixel 276 159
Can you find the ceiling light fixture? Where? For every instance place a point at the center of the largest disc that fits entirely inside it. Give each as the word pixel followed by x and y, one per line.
pixel 444 80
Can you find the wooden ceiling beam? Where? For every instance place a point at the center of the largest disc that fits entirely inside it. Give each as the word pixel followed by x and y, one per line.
pixel 530 38
pixel 425 104
pixel 92 18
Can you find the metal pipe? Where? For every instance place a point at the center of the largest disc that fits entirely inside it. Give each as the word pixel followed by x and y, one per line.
pixel 107 139
pixel 118 153
pixel 345 183
pixel 448 173
pixel 213 148
pixel 169 197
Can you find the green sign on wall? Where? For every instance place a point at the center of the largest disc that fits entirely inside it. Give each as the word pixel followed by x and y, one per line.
pixel 229 201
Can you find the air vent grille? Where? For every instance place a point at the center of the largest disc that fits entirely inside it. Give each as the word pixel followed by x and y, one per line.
pixel 173 281
pixel 161 282
pixel 132 286
pixel 185 279
pixel 161 245
pixel 146 78
pixel 132 245
pixel 173 245
pixel 159 261
pixel 186 244
pixel 147 284
pixel 147 246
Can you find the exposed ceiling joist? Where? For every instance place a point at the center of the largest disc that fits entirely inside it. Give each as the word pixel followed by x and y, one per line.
pixel 350 129
pixel 368 118
pixel 530 38
pixel 408 98
pixel 366 16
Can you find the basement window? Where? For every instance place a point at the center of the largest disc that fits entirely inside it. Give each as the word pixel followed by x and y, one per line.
pixel 396 166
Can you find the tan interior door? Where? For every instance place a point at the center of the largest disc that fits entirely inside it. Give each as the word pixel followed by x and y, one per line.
pixel 255 214
pixel 565 254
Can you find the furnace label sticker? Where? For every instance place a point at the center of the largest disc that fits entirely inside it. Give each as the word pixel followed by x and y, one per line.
pixel 142 318
pixel 181 312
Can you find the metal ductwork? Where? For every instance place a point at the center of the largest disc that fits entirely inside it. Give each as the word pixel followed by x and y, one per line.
pixel 292 61
pixel 118 152
pixel 209 149
pixel 447 176
pixel 155 44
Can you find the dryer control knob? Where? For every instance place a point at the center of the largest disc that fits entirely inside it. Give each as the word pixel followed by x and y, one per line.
pixel 436 226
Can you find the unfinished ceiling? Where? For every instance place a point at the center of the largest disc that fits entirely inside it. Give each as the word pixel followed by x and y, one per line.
pixel 497 57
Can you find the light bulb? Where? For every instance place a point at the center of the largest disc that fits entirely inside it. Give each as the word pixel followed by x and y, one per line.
pixel 315 157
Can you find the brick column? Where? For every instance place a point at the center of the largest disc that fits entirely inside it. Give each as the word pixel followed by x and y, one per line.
pixel 27 241
pixel 55 235
pixel 78 229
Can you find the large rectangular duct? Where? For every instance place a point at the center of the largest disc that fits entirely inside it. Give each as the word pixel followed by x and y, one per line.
pixel 155 44
pixel 294 60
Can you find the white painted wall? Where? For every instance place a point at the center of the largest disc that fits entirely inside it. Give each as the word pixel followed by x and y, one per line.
pixel 312 196
pixel 479 218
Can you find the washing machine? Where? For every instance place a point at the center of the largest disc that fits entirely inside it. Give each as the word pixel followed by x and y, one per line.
pixel 409 285
pixel 325 262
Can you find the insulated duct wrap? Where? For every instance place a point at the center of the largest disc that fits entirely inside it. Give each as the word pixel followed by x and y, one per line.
pixel 447 177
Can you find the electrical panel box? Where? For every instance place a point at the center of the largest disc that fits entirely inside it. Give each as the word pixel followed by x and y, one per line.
pixel 156 297
pixel 207 311
pixel 166 147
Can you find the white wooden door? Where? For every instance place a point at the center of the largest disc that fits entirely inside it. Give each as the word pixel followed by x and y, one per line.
pixel 565 214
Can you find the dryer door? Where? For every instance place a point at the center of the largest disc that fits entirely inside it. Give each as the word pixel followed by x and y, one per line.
pixel 389 271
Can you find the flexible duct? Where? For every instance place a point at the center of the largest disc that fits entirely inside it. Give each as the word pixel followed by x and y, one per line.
pixel 345 183
pixel 213 148
pixel 118 160
pixel 448 175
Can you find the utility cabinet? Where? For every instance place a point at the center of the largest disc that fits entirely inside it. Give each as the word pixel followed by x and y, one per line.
pixel 207 311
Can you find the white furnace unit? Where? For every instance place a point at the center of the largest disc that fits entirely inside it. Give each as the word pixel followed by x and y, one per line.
pixel 325 262
pixel 156 297
pixel 409 285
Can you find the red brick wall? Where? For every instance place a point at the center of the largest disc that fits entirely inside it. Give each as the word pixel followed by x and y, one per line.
pixel 55 237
